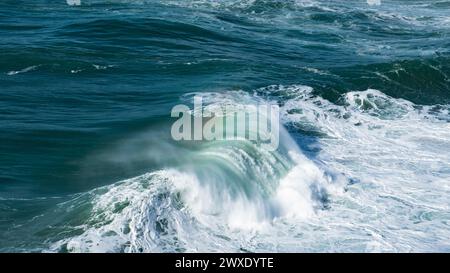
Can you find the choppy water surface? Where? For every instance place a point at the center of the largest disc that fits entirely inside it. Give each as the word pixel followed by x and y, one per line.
pixel 87 163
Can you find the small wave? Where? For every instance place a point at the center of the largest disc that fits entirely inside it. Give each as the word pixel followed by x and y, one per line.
pixel 75 71
pixel 73 2
pixel 316 71
pixel 102 67
pixel 25 70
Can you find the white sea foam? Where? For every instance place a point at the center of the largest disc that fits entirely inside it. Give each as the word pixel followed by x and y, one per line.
pixel 374 2
pixel 398 152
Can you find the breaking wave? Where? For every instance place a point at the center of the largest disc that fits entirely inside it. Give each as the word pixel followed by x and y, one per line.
pixel 370 157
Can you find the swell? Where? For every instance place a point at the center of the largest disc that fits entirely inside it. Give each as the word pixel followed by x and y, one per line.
pixel 359 49
pixel 115 30
pixel 422 81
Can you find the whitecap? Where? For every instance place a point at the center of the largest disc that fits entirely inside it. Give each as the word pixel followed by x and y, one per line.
pixel 25 70
pixel 73 2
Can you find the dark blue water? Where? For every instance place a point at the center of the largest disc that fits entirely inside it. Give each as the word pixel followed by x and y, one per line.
pixel 82 88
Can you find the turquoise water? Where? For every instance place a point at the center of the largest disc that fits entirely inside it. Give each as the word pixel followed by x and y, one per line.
pixel 87 162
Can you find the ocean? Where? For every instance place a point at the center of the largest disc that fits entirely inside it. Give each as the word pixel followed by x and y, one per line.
pixel 87 162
